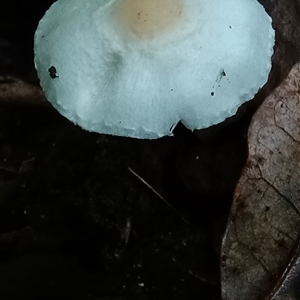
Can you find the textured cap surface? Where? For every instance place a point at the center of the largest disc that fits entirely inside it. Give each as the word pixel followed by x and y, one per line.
pixel 115 76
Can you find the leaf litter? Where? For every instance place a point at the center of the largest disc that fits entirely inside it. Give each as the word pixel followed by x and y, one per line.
pixel 260 250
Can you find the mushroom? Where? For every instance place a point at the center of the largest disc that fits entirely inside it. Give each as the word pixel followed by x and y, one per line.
pixel 137 67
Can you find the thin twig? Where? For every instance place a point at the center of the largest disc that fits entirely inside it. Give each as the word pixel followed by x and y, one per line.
pixel 157 194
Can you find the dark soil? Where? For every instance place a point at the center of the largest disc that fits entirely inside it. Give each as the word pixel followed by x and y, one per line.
pixel 76 222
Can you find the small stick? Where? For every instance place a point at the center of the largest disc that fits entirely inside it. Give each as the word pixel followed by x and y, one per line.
pixel 157 194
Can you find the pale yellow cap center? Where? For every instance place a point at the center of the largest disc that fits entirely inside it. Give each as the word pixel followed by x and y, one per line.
pixel 148 18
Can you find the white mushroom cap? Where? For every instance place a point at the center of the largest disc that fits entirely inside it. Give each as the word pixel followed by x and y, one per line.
pixel 138 67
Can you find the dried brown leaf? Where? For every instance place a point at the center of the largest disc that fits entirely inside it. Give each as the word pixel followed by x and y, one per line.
pixel 264 225
pixel 17 91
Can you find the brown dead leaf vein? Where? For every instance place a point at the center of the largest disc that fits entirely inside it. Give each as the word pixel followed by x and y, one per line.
pixel 284 130
pixel 282 232
pixel 255 258
pixel 283 196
